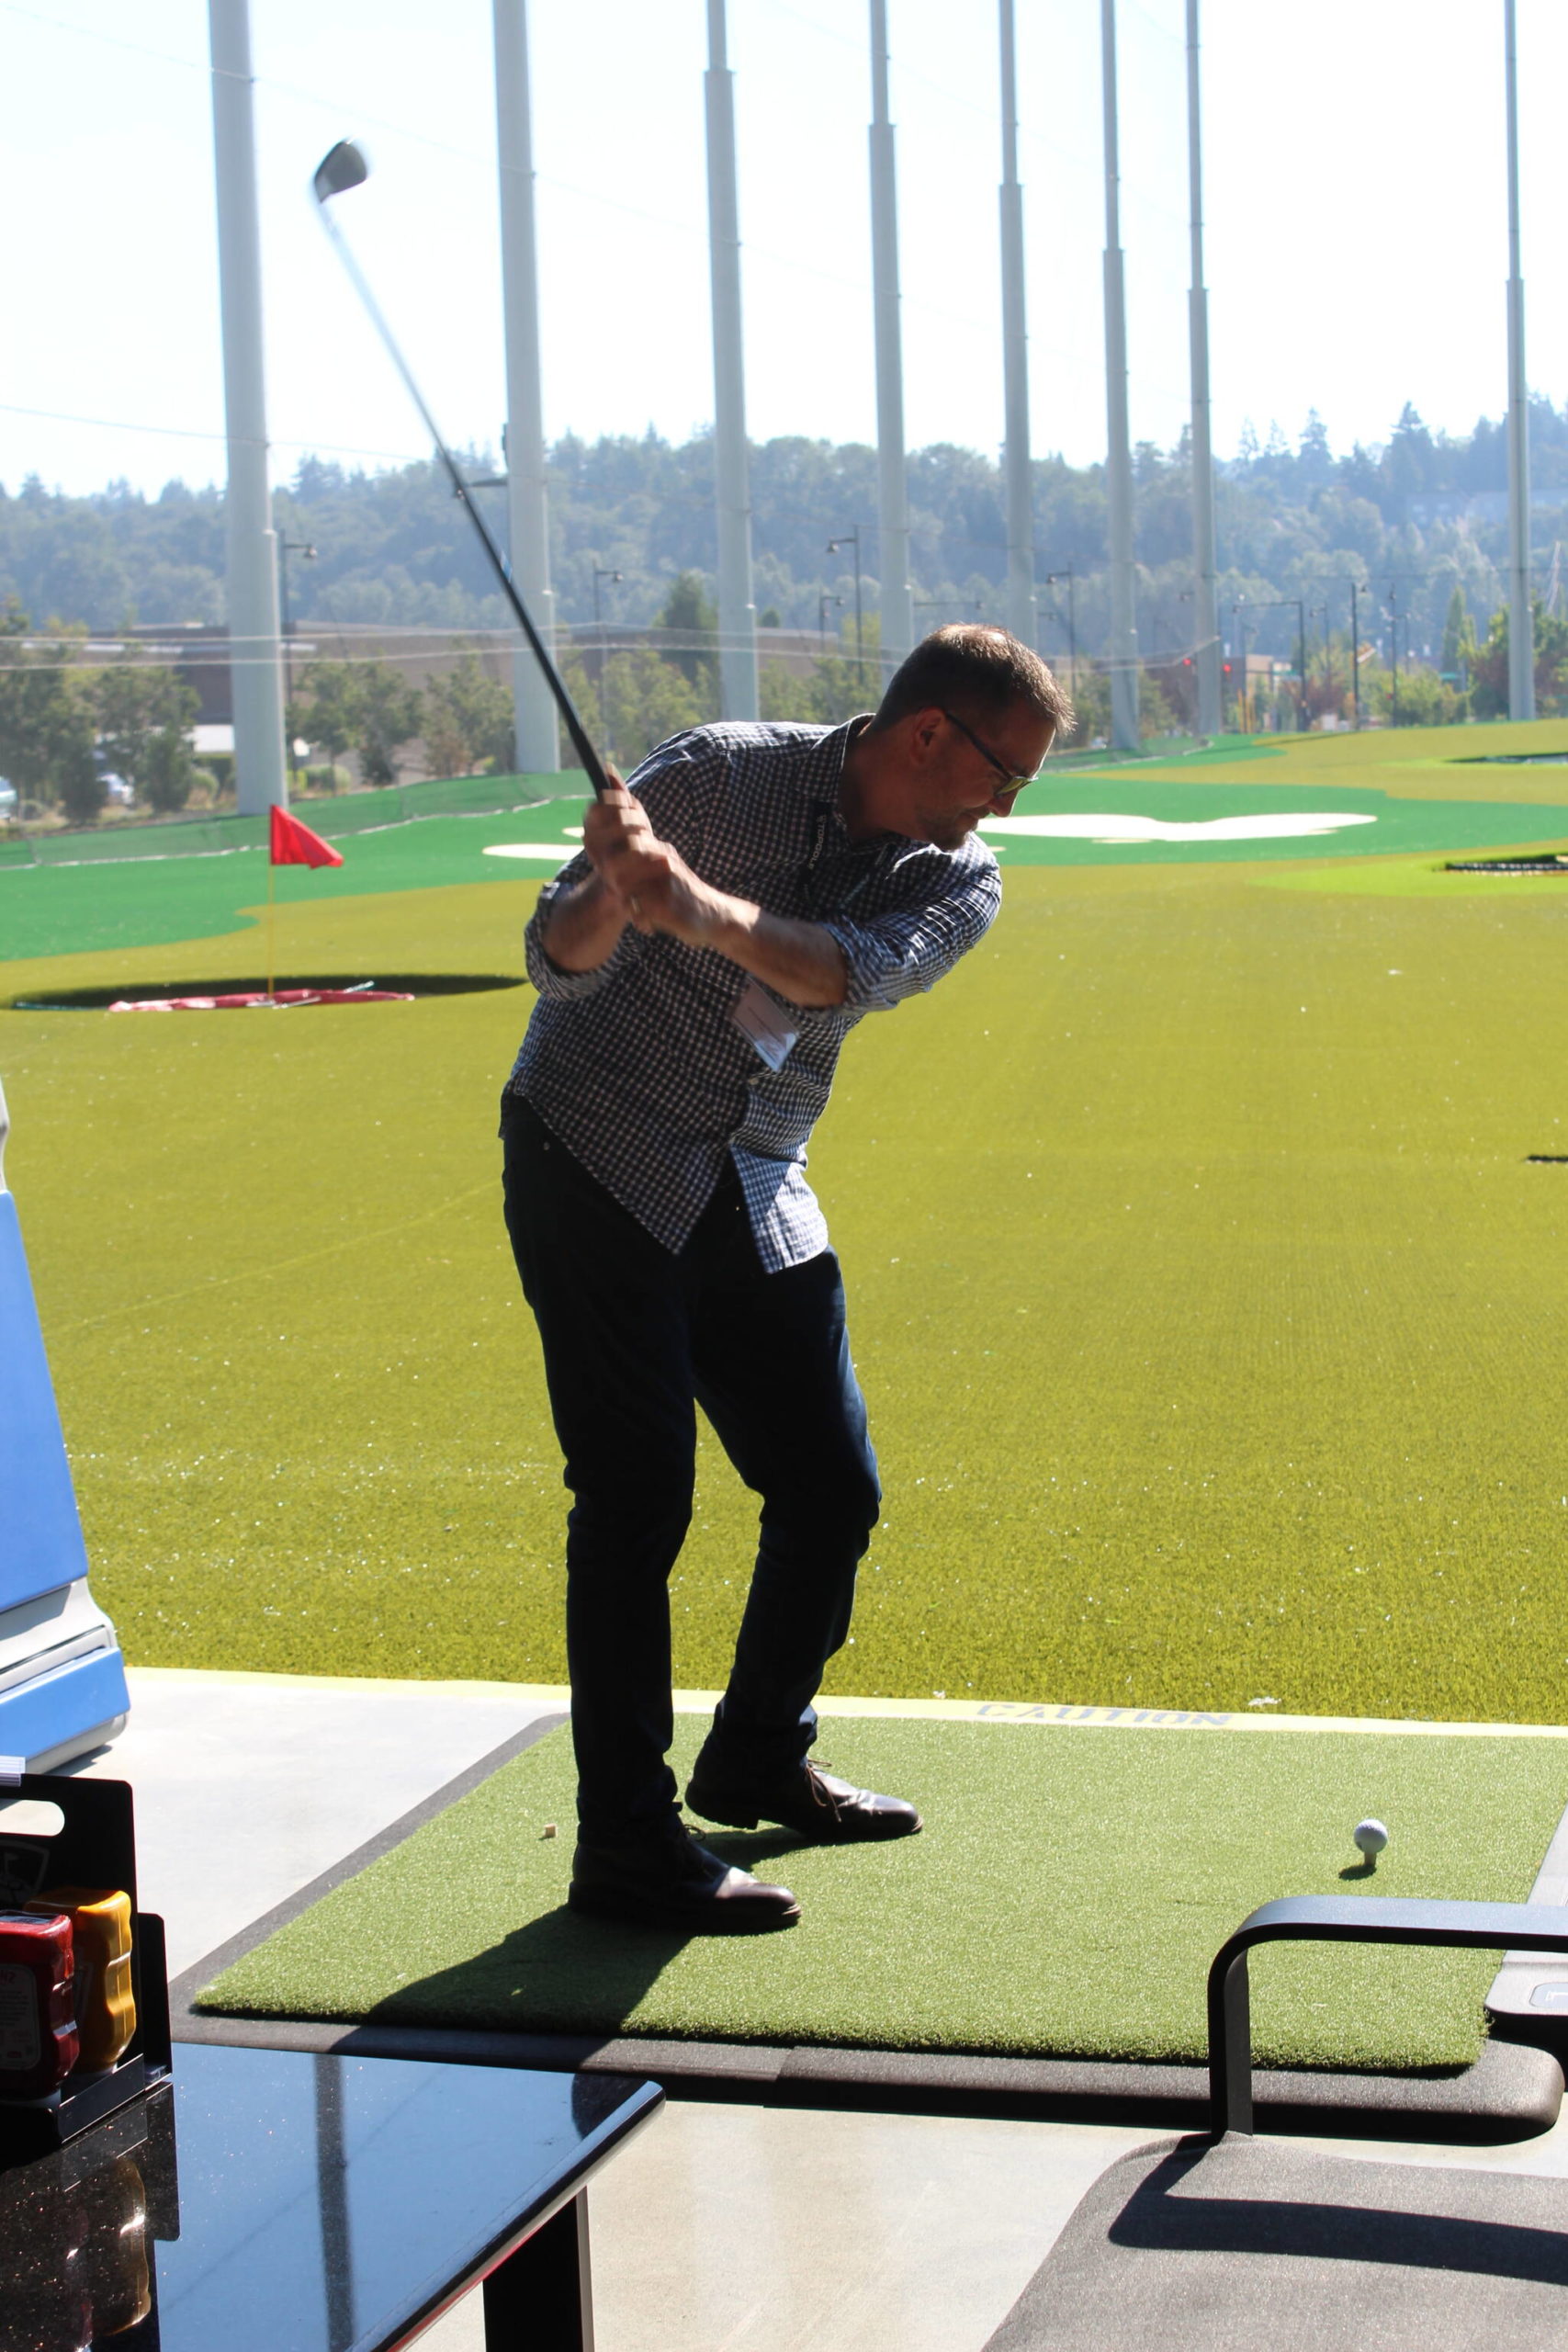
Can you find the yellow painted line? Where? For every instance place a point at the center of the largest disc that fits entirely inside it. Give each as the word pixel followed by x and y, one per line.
pixel 959 1711
pixel 546 1693
pixel 1044 1711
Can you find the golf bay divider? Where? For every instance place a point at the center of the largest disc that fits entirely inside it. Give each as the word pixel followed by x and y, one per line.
pixel 960 2028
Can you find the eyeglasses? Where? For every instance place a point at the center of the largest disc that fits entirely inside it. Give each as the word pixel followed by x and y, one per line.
pixel 1009 781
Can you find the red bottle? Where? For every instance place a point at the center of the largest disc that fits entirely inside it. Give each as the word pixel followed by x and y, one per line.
pixel 38 2017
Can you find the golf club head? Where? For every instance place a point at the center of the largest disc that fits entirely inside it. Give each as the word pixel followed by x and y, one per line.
pixel 341 167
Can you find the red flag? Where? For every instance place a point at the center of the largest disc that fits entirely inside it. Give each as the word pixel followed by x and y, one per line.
pixel 295 844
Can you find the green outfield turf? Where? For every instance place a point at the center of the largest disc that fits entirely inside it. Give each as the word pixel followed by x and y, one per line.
pixel 1524 761
pixel 1065 1899
pixel 110 904
pixel 1412 793
pixel 1214 1323
pixel 1197 821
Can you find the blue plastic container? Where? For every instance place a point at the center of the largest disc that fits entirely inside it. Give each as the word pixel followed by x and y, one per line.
pixel 62 1675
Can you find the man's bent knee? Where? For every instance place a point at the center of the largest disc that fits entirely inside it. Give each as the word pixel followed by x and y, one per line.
pixel 622 1533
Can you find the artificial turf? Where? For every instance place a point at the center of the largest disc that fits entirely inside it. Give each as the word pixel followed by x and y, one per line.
pixel 1402 808
pixel 1211 1317
pixel 1403 824
pixel 1522 762
pixel 114 904
pixel 1065 1899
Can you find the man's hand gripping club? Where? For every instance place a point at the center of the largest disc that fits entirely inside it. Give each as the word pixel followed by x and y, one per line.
pixel 639 880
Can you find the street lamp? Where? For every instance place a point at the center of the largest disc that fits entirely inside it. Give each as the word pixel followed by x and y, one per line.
pixel 1297 604
pixel 286 547
pixel 1358 589
pixel 943 604
pixel 1320 612
pixel 1245 690
pixel 851 539
pixel 487 481
pixel 1069 576
pixel 1392 609
pixel 602 572
pixel 823 601
pixel 1190 660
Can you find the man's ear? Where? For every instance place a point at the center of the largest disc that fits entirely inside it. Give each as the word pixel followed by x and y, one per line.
pixel 924 725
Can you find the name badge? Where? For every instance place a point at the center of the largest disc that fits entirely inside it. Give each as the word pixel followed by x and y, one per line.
pixel 759 1018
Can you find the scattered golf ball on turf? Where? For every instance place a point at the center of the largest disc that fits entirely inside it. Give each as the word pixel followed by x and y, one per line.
pixel 1372 1836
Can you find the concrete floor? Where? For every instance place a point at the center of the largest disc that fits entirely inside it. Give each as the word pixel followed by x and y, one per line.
pixel 249 1785
pixel 720 2228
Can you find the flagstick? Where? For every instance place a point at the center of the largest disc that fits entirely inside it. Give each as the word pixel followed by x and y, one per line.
pixel 271 943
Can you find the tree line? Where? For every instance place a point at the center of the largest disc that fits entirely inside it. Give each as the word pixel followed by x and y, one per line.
pixel 633 519
pixel 67 728
pixel 463 719
pixel 393 548
pixel 71 727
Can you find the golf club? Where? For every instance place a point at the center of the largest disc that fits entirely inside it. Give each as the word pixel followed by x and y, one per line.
pixel 344 167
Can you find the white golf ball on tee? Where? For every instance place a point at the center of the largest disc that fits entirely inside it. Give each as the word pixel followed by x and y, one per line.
pixel 1372 1836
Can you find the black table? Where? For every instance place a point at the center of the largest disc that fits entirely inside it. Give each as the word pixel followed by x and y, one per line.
pixel 276 2202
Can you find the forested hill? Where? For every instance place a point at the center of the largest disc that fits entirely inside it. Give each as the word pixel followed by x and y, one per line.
pixel 393 546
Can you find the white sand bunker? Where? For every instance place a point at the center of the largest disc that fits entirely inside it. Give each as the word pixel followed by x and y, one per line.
pixel 1273 826
pixel 1065 826
pixel 553 853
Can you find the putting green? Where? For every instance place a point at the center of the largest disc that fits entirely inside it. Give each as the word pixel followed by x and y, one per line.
pixel 1064 1900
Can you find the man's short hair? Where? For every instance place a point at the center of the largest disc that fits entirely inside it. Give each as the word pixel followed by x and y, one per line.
pixel 979 672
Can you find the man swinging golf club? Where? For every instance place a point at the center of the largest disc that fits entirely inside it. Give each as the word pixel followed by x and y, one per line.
pixel 698 967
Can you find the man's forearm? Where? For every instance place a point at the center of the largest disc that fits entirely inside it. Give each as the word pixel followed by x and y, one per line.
pixel 583 928
pixel 800 961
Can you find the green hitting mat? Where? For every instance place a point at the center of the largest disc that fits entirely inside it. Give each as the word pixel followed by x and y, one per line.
pixel 1065 1899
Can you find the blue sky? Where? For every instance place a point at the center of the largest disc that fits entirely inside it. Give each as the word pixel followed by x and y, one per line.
pixel 1355 243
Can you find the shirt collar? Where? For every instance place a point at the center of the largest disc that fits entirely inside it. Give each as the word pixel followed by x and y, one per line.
pixel 837 831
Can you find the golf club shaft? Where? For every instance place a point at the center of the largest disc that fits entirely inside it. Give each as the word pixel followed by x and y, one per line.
pixel 574 727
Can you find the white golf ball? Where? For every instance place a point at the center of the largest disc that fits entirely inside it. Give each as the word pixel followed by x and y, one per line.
pixel 1372 1836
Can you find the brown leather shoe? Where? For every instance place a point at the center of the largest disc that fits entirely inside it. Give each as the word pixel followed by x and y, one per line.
pixel 811 1801
pixel 671 1881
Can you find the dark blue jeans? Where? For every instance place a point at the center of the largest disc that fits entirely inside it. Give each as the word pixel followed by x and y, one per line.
pixel 632 1336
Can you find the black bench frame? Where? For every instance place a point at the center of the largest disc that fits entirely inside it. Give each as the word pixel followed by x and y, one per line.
pixel 1347 1919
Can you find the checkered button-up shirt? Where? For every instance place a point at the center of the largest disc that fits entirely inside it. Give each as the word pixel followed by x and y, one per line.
pixel 639 1067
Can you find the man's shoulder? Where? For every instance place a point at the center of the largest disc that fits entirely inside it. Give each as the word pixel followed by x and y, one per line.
pixel 788 740
pixel 741 748
pixel 753 765
pixel 976 857
pixel 964 875
pixel 973 862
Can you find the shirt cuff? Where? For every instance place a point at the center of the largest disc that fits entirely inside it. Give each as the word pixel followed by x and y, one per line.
pixel 875 978
pixel 562 987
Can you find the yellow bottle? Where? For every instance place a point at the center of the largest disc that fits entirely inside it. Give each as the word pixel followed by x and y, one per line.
pixel 105 2006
